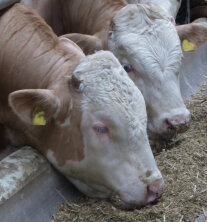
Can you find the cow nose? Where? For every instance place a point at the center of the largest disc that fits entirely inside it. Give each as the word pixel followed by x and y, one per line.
pixel 176 124
pixel 155 191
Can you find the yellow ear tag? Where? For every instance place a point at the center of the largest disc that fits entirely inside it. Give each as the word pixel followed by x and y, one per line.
pixel 39 118
pixel 188 46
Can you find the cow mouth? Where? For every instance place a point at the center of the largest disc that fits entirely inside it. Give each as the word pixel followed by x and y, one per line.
pixel 157 137
pixel 120 204
pixel 168 135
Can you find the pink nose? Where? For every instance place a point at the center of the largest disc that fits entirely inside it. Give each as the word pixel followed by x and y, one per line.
pixel 176 124
pixel 154 191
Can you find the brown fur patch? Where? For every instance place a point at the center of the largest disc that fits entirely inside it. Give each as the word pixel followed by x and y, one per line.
pixel 32 58
pixel 88 17
pixel 66 143
pixel 193 32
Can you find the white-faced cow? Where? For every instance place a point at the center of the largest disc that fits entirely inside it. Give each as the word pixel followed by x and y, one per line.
pixel 83 113
pixel 144 40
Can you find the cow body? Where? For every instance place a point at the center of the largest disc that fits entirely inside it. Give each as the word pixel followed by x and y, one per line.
pixel 134 33
pixel 63 18
pixel 83 113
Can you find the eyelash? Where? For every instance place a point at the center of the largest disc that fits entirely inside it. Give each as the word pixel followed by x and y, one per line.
pixel 101 130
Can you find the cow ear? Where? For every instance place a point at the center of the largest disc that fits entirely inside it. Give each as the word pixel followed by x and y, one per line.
pixel 88 43
pixel 34 106
pixel 71 46
pixel 192 36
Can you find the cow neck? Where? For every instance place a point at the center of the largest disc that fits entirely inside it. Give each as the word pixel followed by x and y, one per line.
pixel 30 52
pixel 90 18
pixel 32 58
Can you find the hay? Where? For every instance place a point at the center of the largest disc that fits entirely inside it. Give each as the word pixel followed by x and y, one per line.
pixel 183 163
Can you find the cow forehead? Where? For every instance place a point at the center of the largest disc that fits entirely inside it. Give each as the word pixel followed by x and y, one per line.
pixel 138 15
pixel 141 20
pixel 150 43
pixel 106 85
pixel 152 53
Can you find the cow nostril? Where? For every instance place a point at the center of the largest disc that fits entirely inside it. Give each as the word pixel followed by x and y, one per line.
pixel 154 191
pixel 176 124
pixel 168 125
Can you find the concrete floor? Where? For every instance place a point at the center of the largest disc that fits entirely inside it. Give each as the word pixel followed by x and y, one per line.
pixel 36 197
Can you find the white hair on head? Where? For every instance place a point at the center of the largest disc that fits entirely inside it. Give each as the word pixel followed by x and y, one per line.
pixel 138 14
pixel 145 24
pixel 105 84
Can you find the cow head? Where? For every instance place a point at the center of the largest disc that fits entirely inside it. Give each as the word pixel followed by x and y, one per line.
pixel 147 45
pixel 150 52
pixel 113 126
pixel 107 116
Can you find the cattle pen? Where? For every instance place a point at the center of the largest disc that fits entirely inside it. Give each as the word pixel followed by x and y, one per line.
pixel 31 190
pixel 183 163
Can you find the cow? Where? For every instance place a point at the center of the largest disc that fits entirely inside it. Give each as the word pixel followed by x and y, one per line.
pixel 83 113
pixel 143 39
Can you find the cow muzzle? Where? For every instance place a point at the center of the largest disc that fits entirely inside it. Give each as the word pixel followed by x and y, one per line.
pixel 155 191
pixel 166 127
pixel 176 124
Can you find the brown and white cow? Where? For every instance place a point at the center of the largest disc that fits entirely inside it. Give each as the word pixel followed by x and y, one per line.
pixel 83 113
pixel 143 39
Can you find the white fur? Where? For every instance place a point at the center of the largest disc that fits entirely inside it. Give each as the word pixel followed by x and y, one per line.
pixel 64 124
pixel 114 163
pixel 71 105
pixel 151 45
pixel 171 7
pixel 202 21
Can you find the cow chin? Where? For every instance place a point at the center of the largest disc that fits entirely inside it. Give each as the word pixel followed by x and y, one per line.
pixel 167 128
pixel 94 191
pixel 125 205
pixel 161 137
pixel 123 199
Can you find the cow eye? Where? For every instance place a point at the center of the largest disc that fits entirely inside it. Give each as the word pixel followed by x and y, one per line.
pixel 101 130
pixel 127 67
